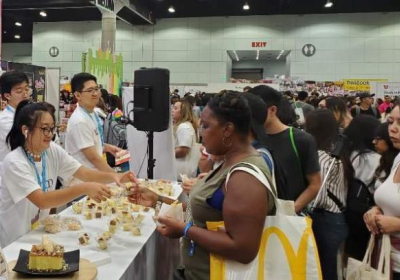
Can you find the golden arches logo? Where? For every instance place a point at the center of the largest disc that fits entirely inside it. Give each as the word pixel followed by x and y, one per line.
pixel 297 261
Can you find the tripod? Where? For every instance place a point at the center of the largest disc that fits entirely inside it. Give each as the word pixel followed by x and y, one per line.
pixel 151 162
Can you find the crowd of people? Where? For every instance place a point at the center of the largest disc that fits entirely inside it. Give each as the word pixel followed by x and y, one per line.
pixel 295 135
pixel 289 137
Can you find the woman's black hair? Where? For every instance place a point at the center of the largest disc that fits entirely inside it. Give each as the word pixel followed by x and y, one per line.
pixel 336 104
pixel 232 107
pixel 321 124
pixel 28 114
pixel 387 158
pixel 360 134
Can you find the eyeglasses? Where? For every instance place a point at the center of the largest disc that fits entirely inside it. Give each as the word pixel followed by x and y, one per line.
pixel 92 90
pixel 48 130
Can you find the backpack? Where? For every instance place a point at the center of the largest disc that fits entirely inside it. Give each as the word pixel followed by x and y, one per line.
pixel 278 173
pixel 358 110
pixel 359 201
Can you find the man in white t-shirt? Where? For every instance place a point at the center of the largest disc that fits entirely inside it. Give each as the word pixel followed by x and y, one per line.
pixel 14 88
pixel 85 136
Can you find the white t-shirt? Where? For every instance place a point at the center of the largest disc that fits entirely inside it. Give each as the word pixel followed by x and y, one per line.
pixel 6 122
pixel 387 197
pixel 185 136
pixel 82 132
pixel 17 213
pixel 365 166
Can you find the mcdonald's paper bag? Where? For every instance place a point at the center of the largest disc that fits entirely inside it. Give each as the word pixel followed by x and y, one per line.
pixel 287 251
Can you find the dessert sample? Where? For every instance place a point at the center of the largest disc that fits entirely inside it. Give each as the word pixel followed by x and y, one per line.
pixel 98 215
pixel 136 231
pixel 127 227
pixel 47 256
pixel 77 207
pixel 139 219
pixel 103 244
pixel 52 224
pixel 113 226
pixel 84 239
pixel 88 215
pixel 73 224
pixel 106 235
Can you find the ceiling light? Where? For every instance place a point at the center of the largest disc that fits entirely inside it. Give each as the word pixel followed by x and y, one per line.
pixel 246 6
pixel 328 4
pixel 43 14
pixel 18 24
pixel 17 37
pixel 5 32
pixel 171 9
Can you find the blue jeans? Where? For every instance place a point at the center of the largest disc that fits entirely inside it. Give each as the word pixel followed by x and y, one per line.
pixel 330 231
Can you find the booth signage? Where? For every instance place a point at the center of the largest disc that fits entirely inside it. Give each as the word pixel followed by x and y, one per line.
pixel 108 5
pixel 391 89
pixel 258 44
pixel 360 84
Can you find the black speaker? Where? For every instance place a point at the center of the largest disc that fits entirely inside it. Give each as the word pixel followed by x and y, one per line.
pixel 151 100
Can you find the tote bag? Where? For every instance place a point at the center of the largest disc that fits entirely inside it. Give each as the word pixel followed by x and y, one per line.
pixel 357 270
pixel 287 251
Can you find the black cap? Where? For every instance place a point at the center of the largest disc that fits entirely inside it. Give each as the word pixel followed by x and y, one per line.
pixel 259 115
pixel 364 95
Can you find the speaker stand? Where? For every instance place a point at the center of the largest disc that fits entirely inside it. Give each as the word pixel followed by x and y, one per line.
pixel 151 162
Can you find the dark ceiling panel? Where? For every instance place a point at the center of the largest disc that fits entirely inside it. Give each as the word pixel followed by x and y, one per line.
pixel 202 8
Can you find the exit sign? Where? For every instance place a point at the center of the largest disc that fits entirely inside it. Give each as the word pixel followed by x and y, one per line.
pixel 258 44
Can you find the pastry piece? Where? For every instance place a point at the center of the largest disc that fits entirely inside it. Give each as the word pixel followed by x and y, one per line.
pixel 127 226
pixel 52 224
pixel 135 208
pixel 139 219
pixel 113 226
pixel 84 239
pixel 98 215
pixel 77 207
pixel 91 205
pixel 106 235
pixel 146 209
pixel 73 225
pixel 113 210
pixel 88 215
pixel 136 231
pixel 103 244
pixel 47 256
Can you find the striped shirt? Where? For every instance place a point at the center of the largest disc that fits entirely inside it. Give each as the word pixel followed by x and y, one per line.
pixel 335 183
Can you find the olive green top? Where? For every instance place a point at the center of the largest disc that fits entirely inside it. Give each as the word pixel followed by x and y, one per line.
pixel 197 267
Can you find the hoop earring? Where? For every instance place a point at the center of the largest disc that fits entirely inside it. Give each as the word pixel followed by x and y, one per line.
pixel 225 144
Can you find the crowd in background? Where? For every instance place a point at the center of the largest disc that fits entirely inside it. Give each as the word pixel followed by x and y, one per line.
pixel 295 134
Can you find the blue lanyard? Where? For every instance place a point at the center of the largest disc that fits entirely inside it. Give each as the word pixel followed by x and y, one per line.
pixel 42 181
pixel 99 126
pixel 8 108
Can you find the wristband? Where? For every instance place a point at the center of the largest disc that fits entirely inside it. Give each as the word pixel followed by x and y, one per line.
pixel 159 199
pixel 187 227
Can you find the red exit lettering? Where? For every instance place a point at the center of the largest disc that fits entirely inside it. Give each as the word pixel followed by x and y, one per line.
pixel 258 44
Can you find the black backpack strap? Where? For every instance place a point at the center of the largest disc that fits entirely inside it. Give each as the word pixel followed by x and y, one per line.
pixel 336 200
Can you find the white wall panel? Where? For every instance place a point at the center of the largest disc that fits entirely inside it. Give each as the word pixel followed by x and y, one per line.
pixel 348 45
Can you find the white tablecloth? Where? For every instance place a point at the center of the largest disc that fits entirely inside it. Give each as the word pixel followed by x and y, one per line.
pixel 149 256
